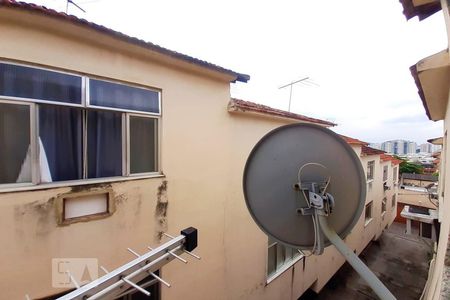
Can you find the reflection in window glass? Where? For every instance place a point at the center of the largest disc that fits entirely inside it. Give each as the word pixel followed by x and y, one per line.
pixel 104 93
pixel 104 144
pixel 15 163
pixel 26 82
pixel 143 145
pixel 60 130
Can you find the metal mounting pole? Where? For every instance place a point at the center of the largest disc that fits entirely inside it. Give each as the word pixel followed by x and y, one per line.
pixel 377 286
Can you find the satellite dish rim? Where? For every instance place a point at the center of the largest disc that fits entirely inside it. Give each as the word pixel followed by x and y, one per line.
pixel 354 157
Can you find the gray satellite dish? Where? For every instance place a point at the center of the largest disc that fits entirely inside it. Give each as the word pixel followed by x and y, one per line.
pixel 305 187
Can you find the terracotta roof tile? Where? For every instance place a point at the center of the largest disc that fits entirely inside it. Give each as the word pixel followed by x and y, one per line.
pixel 366 150
pixel 243 106
pixel 132 40
pixel 353 141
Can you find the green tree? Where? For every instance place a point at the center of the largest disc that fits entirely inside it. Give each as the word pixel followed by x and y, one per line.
pixel 407 167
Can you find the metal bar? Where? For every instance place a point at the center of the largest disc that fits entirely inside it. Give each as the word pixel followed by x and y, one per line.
pixel 294 82
pixel 73 280
pixel 192 254
pixel 134 252
pixel 108 289
pixel 110 280
pixel 160 279
pixel 377 286
pixel 136 287
pixel 178 257
pixel 144 285
pixel 168 235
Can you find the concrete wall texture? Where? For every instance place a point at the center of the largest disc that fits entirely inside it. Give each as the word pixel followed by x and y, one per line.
pixel 203 152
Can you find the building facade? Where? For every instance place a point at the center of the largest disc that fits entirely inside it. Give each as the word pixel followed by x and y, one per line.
pixel 432 77
pixel 399 147
pixel 150 138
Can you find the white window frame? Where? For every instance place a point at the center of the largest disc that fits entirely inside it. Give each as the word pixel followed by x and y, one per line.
pixel 369 164
pixel 127 146
pixel 35 183
pixel 383 203
pixel 369 219
pixel 395 175
pixel 88 98
pixel 385 173
pixel 284 267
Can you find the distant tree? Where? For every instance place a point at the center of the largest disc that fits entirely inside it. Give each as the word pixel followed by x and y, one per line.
pixel 407 167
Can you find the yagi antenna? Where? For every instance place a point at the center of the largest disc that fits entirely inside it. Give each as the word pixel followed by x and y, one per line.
pixel 305 187
pixel 290 90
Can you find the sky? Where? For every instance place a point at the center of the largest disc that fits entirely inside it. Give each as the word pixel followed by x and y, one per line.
pixel 356 54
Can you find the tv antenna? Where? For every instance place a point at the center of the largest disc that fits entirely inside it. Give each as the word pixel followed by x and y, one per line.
pixel 74 4
pixel 290 85
pixel 305 187
pixel 127 278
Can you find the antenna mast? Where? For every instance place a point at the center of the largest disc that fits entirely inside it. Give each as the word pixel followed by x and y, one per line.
pixel 290 92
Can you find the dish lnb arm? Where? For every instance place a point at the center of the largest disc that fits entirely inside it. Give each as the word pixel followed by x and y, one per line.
pixel 359 266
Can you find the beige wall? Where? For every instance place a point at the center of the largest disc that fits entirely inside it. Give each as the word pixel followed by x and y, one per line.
pixel 204 149
pixel 415 198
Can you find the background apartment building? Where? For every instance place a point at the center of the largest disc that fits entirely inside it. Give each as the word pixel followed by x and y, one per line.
pixel 399 147
pixel 152 135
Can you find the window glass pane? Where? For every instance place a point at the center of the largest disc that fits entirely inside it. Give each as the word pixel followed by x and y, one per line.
pixel 60 130
pixel 25 82
pixel 104 144
pixel 143 144
pixel 15 155
pixel 281 255
pixel 272 260
pixel 103 93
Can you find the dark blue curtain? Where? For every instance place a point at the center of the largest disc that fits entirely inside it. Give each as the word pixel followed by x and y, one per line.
pixel 60 129
pixel 104 144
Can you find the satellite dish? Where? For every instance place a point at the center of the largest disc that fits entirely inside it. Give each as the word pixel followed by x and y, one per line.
pixel 305 187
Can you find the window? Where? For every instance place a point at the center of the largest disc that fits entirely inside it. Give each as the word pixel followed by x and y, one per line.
pixel 368 213
pixel 38 84
pixel 383 205
pixel 279 257
pixel 394 200
pixel 385 173
pixel 14 140
pixel 370 170
pixel 394 175
pixel 60 127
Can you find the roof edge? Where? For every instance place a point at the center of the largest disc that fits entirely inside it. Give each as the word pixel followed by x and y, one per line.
pixel 30 7
pixel 238 105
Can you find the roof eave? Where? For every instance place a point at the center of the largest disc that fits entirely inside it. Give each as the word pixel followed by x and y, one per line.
pixel 422 10
pixel 432 78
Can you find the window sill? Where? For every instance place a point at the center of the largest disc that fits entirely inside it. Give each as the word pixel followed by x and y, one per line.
pixel 30 187
pixel 283 269
pixel 367 222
